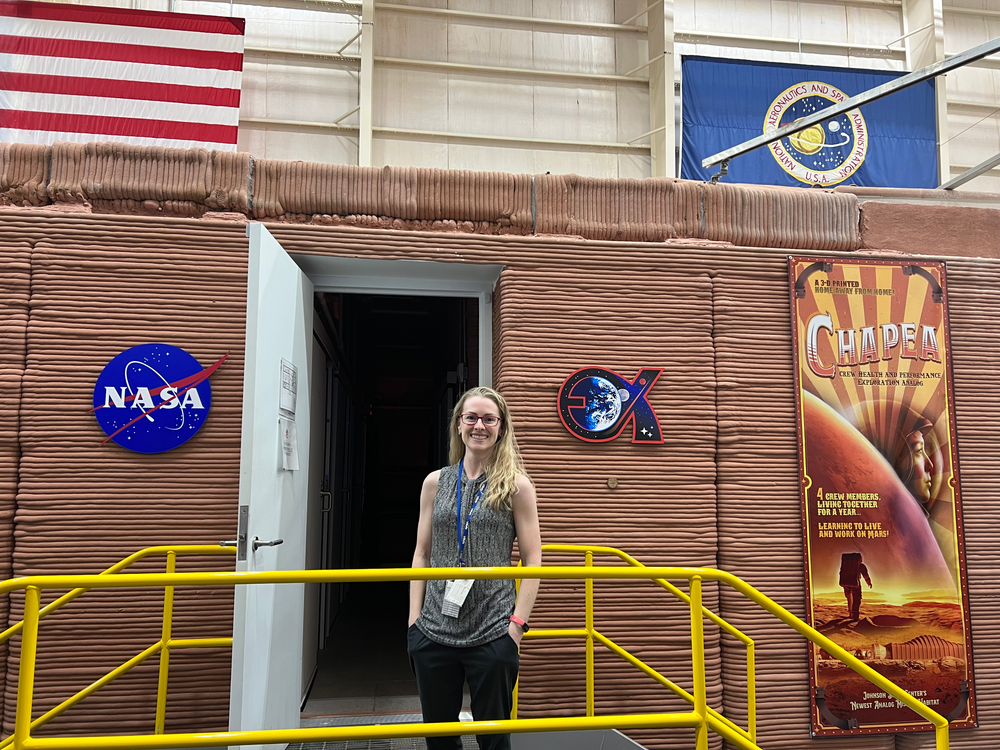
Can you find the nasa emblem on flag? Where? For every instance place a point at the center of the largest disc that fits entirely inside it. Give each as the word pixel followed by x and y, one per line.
pixel 823 154
pixel 153 398
pixel 596 405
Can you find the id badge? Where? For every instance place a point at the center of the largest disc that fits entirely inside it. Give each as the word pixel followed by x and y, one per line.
pixel 455 593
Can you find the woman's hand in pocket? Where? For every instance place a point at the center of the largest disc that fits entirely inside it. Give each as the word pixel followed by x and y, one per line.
pixel 515 632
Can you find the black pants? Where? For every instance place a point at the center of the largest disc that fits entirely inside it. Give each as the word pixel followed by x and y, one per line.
pixel 441 671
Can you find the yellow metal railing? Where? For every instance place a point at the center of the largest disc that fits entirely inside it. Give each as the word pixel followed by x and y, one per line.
pixel 161 647
pixel 701 718
pixel 591 634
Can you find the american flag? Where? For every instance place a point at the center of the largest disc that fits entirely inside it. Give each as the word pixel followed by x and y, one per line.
pixel 86 73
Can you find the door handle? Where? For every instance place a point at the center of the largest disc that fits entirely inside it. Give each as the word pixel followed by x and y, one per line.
pixel 240 542
pixel 327 501
pixel 257 543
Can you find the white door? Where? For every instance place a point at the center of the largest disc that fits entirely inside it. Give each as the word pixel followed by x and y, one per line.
pixel 268 620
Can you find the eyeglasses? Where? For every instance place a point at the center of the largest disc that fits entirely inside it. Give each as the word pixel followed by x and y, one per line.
pixel 489 420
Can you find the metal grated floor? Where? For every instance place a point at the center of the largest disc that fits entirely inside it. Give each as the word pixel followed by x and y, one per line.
pixel 403 743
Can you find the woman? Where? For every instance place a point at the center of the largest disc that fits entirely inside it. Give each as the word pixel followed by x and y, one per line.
pixel 470 513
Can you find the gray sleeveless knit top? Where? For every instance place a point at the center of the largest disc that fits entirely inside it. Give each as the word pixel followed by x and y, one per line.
pixel 485 616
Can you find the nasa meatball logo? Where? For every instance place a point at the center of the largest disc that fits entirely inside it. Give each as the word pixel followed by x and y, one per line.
pixel 596 405
pixel 153 398
pixel 823 154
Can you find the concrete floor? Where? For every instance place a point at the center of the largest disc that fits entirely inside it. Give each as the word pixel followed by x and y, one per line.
pixel 365 668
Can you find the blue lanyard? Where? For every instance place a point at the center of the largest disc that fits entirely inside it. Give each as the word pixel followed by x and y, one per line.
pixel 463 535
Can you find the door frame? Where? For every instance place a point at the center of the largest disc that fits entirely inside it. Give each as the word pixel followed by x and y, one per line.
pixel 375 276
pixel 415 278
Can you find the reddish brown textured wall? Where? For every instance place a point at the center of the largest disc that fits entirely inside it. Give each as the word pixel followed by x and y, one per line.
pixel 757 489
pixel 721 491
pixel 116 178
pixel 14 288
pixel 562 305
pixel 973 305
pixel 99 286
pixel 121 179
pixel 941 230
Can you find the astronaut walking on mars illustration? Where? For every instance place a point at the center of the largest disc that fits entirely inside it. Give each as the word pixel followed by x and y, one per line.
pixel 852 570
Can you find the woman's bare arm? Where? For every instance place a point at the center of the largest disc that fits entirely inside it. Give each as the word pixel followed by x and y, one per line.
pixel 529 544
pixel 422 553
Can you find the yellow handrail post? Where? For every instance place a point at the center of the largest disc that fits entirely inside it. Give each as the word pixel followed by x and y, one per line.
pixel 698 665
pixel 589 589
pixel 942 741
pixel 26 673
pixel 751 693
pixel 168 617
pixel 517 681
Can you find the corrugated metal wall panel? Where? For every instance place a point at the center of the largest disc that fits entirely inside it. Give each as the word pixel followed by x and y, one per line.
pixel 15 279
pixel 101 285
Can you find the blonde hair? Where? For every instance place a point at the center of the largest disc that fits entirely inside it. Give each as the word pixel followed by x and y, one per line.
pixel 505 463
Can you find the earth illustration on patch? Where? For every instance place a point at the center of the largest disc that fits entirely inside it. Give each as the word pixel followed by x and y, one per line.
pixel 604 402
pixel 597 404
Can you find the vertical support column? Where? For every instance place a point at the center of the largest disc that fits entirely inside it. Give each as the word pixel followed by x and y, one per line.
pixel 164 677
pixel 660 21
pixel 365 82
pixel 698 665
pixel 26 673
pixel 590 635
pixel 926 48
pixel 486 339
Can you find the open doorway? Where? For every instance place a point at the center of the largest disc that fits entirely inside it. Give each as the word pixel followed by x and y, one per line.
pixel 297 403
pixel 386 372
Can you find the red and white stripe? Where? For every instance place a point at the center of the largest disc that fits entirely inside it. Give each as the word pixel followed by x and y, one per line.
pixel 84 73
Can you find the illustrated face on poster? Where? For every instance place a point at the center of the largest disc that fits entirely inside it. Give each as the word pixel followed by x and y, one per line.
pixel 880 489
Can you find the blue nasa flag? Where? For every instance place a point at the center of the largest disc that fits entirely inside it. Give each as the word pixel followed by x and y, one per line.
pixel 888 143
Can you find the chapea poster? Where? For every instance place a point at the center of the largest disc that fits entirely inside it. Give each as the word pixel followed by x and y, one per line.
pixel 880 491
